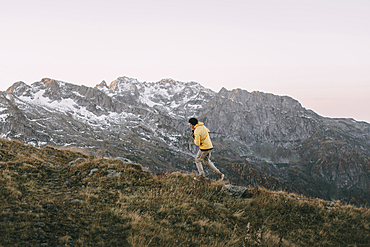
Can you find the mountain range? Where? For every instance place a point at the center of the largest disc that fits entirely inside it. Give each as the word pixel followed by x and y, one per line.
pixel 260 139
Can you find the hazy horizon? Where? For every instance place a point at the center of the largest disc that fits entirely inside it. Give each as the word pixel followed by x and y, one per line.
pixel 316 52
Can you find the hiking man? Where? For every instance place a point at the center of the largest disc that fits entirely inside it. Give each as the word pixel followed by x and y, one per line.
pixel 203 141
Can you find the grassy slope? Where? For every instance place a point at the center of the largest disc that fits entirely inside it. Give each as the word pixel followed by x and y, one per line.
pixel 47 199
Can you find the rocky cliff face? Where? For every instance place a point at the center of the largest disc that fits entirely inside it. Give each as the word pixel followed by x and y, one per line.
pixel 260 117
pixel 147 123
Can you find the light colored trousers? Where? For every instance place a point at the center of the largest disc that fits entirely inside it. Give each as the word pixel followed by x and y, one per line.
pixel 204 157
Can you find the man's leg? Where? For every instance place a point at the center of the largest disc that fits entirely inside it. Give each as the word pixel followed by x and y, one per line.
pixel 209 163
pixel 198 161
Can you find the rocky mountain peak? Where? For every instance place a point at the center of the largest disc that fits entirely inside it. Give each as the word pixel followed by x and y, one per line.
pixel 122 84
pixel 101 85
pixel 17 87
pixel 50 84
pixel 238 94
pixel 222 90
pixel 168 82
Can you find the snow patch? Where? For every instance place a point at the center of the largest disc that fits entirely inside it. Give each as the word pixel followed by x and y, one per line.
pixel 3 117
pixel 4 136
pixel 63 105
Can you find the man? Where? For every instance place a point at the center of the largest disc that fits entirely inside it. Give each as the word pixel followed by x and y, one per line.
pixel 203 141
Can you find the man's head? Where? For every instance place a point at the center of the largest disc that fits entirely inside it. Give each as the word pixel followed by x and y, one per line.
pixel 193 122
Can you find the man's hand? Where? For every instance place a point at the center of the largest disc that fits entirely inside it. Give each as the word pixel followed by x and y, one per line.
pixel 192 134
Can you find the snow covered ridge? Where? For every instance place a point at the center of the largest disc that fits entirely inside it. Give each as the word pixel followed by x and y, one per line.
pixel 52 112
pixel 166 95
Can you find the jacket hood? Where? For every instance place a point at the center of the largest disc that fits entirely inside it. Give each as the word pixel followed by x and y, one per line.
pixel 199 124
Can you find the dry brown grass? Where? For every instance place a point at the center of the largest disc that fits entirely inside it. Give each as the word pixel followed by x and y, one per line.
pixel 84 151
pixel 45 200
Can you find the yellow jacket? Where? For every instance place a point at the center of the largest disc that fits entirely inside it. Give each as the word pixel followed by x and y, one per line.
pixel 201 136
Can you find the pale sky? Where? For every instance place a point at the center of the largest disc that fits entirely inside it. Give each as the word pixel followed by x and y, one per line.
pixel 316 51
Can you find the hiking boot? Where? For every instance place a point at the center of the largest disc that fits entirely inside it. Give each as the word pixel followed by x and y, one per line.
pixel 201 178
pixel 220 177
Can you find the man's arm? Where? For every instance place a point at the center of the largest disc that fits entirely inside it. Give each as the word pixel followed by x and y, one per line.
pixel 197 138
